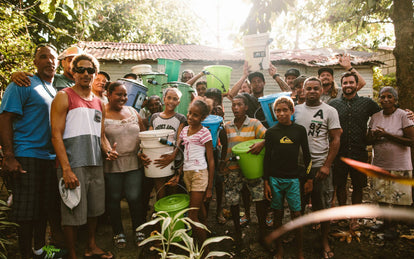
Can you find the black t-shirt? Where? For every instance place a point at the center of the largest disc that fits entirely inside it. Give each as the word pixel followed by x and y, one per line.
pixel 255 109
pixel 282 143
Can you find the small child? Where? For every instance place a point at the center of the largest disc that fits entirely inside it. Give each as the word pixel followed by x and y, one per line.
pixel 198 172
pixel 168 119
pixel 153 105
pixel 281 170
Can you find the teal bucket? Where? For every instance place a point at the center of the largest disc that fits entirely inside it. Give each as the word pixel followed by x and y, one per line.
pixel 212 123
pixel 219 77
pixel 187 93
pixel 171 67
pixel 173 204
pixel 267 105
pixel 251 165
pixel 154 82
pixel 136 92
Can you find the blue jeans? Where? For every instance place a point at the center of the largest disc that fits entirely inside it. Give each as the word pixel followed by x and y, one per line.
pixel 129 184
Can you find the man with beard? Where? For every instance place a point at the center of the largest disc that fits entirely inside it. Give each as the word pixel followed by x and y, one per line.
pixel 326 75
pixel 77 120
pixel 354 112
pixel 29 156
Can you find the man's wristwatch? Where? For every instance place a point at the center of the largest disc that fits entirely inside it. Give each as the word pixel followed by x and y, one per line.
pixel 275 75
pixel 350 69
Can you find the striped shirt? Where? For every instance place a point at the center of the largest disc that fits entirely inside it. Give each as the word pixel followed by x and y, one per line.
pixel 82 136
pixel 195 149
pixel 250 129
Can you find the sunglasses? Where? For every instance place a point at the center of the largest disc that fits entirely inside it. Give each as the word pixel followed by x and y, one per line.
pixel 82 70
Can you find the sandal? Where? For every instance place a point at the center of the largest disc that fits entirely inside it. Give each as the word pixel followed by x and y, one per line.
pixel 244 221
pixel 327 254
pixel 269 219
pixel 222 220
pixel 139 237
pixel 120 241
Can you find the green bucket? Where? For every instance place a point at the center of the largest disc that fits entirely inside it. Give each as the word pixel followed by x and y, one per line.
pixel 154 82
pixel 251 165
pixel 171 67
pixel 185 100
pixel 219 73
pixel 173 204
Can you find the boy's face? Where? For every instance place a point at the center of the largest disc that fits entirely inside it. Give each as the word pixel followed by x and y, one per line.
pixel 201 89
pixel 154 105
pixel 283 113
pixel 239 108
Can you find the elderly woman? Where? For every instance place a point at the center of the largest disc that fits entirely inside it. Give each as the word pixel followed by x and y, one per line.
pixel 392 134
pixel 123 175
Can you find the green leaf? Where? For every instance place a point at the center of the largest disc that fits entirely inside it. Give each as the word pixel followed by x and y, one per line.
pixel 214 240
pixel 149 223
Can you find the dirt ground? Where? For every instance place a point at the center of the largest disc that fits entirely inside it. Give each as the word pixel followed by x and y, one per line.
pixel 371 245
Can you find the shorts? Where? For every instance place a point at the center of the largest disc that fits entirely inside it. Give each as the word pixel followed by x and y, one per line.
pixel 92 203
pixel 340 175
pixel 323 190
pixel 285 188
pixel 196 180
pixel 233 183
pixel 36 191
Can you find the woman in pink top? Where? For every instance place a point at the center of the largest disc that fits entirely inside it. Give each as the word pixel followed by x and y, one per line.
pixel 123 175
pixel 392 134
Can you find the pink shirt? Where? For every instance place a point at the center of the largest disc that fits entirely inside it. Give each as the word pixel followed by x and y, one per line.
pixel 194 148
pixel 389 154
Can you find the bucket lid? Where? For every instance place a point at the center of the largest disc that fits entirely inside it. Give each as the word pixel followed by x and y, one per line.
pixel 273 96
pixel 156 133
pixel 131 81
pixel 173 203
pixel 212 119
pixel 243 147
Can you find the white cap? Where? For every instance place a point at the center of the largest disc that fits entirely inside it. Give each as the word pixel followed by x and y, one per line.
pixel 70 197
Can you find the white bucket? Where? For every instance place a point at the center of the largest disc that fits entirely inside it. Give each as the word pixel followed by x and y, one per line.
pixel 256 49
pixel 141 69
pixel 153 149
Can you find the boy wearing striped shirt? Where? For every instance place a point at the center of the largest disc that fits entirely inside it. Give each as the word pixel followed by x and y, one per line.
pixel 241 129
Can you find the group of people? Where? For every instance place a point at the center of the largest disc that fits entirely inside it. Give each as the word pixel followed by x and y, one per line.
pixel 80 119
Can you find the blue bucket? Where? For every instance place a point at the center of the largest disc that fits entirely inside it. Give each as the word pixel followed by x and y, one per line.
pixel 267 105
pixel 212 123
pixel 136 92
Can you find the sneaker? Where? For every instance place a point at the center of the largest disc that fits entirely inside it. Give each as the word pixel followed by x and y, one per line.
pixel 51 252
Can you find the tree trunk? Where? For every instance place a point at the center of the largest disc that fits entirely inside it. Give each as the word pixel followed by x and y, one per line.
pixel 404 51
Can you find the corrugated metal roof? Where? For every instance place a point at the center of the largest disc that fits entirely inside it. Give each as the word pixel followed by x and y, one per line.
pixel 106 51
pixel 113 51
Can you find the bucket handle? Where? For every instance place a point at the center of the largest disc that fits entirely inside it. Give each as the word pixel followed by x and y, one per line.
pixel 182 187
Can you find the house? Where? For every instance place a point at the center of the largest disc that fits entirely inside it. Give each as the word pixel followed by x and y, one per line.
pixel 118 58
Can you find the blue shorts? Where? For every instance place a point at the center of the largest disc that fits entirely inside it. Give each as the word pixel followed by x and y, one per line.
pixel 285 188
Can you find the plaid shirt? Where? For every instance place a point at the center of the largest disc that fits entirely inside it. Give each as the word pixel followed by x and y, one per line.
pixel 354 115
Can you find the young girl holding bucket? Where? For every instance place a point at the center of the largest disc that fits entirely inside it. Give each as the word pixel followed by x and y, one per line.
pixel 198 172
pixel 168 119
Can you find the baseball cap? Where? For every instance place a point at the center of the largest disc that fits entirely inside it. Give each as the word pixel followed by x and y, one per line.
pixel 70 197
pixel 293 72
pixel 325 69
pixel 71 51
pixel 256 74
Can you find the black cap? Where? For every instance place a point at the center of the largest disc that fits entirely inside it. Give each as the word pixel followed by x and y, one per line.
pixel 292 72
pixel 105 74
pixel 325 69
pixel 256 74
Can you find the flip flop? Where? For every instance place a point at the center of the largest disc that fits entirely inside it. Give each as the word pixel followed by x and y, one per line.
pixel 244 221
pixel 100 256
pixel 327 254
